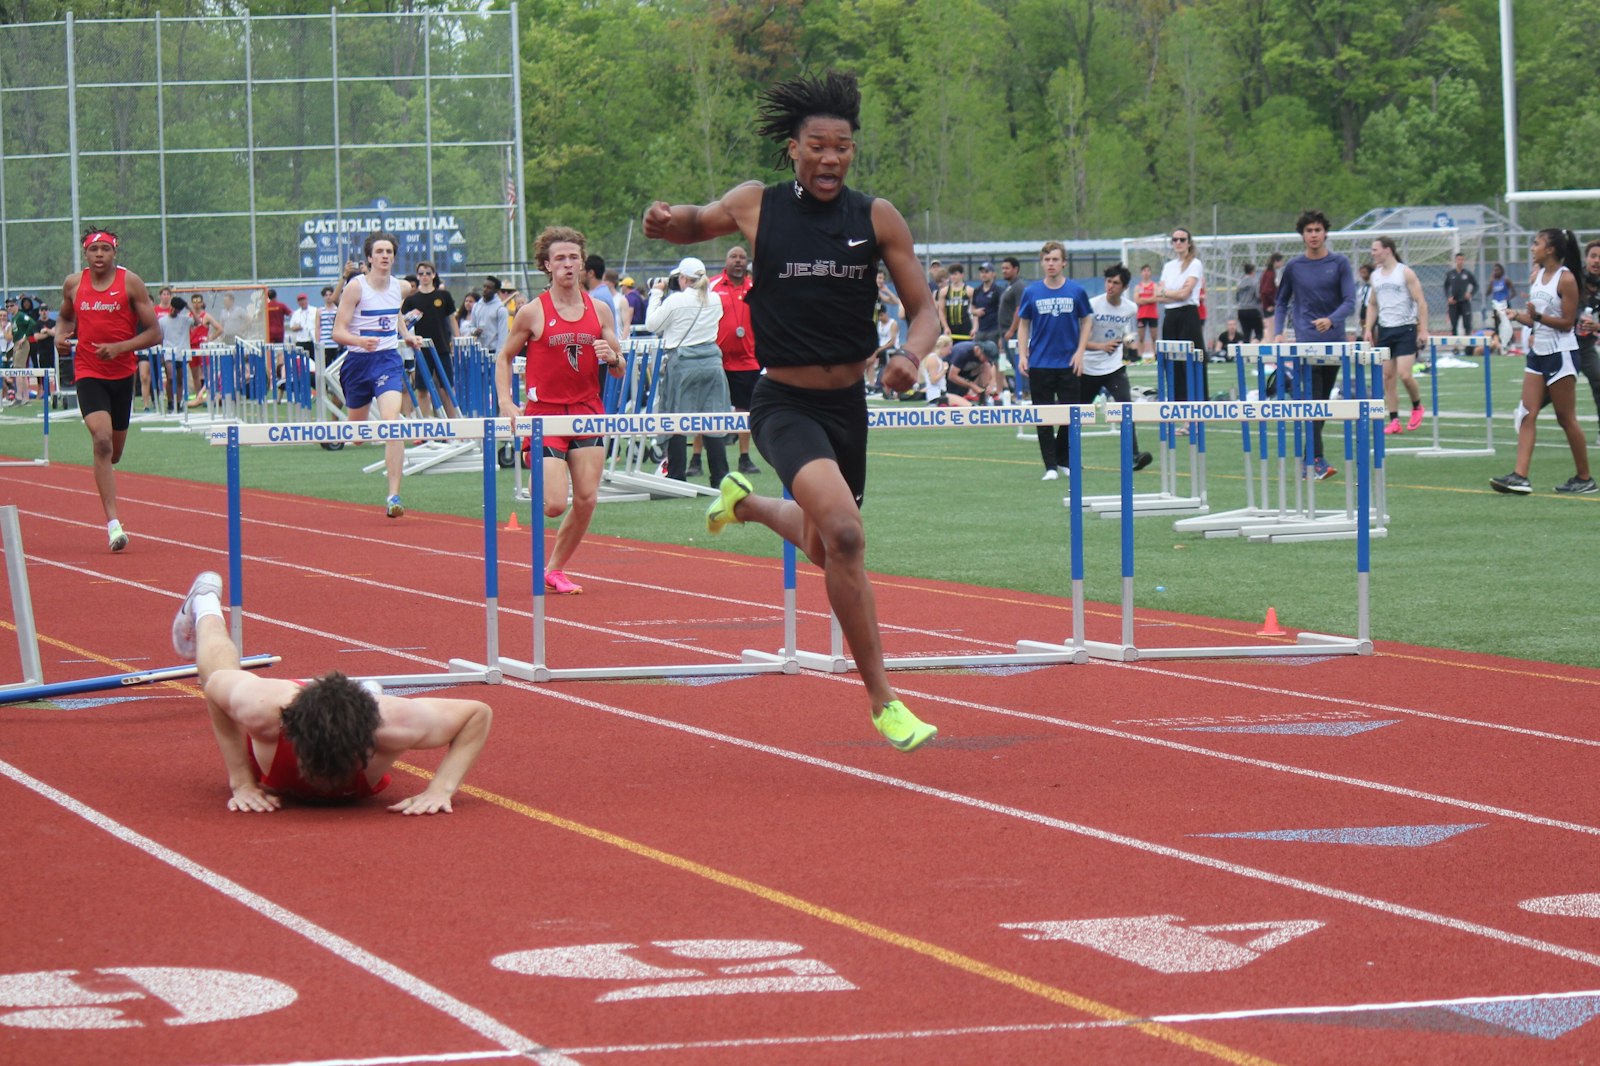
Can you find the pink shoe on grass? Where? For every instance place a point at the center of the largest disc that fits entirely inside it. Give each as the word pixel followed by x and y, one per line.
pixel 1416 418
pixel 561 584
pixel 1393 427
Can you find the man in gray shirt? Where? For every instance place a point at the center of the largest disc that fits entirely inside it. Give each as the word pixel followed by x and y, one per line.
pixel 489 317
pixel 1006 322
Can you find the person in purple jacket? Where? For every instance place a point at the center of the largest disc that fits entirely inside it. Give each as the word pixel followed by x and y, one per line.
pixel 1321 289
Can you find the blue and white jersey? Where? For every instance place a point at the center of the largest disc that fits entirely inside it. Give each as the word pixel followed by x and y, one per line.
pixel 378 313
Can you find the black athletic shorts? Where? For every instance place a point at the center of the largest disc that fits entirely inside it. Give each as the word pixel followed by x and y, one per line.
pixel 113 396
pixel 741 383
pixel 793 427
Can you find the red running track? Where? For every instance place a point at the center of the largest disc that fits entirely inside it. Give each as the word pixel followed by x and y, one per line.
pixel 1244 861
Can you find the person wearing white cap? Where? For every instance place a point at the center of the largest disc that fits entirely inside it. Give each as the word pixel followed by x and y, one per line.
pixel 817 245
pixel 685 315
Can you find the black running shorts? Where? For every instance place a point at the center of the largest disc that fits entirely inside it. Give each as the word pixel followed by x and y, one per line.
pixel 114 396
pixel 793 427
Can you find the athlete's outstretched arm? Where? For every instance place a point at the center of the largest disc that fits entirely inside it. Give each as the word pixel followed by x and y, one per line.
pixel 463 725
pixel 738 210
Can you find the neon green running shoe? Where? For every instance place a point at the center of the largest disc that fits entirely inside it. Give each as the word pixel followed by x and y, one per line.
pixel 901 728
pixel 734 488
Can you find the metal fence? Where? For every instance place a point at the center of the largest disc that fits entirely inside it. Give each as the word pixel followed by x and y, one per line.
pixel 260 148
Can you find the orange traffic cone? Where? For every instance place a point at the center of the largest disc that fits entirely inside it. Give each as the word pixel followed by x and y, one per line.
pixel 1270 628
pixel 513 526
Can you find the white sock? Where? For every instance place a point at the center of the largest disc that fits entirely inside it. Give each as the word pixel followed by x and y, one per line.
pixel 207 604
pixel 113 525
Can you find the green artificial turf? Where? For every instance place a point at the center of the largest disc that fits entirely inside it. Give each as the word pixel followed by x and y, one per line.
pixel 1462 567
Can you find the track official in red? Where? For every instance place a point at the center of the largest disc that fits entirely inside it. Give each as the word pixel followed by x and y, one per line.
pixel 109 310
pixel 737 341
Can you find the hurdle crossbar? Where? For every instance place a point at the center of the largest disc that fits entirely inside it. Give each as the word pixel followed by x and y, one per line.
pixel 235 436
pixel 47 381
pixel 1359 412
pixel 1438 449
pixel 36 693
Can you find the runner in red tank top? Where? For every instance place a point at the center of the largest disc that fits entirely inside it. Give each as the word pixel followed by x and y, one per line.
pixel 110 311
pixel 566 336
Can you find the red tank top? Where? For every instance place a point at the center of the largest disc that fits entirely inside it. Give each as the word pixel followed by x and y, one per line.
pixel 200 334
pixel 104 318
pixel 562 366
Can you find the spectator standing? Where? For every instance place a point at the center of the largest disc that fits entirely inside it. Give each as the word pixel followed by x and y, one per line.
pixel 177 326
pixel 635 301
pixel 737 341
pixel 1178 291
pixel 25 324
pixel 686 321
pixel 1501 293
pixel 1460 289
pixel 1100 366
pixel 1010 298
pixel 277 316
pixel 1050 341
pixel 489 320
pixel 1396 318
pixel 620 304
pixel 1588 327
pixel 6 343
pixel 1269 286
pixel 1363 294
pixel 1321 288
pixel 594 282
pixel 1247 304
pixel 985 310
pixel 435 323
pixel 1148 319
pixel 1551 373
pixel 954 300
pixel 303 325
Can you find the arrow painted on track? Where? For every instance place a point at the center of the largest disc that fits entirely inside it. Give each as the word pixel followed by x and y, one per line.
pixel 1304 729
pixel 1382 836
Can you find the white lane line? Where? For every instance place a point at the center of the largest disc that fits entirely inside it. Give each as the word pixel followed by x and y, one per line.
pixel 471 1017
pixel 402 1060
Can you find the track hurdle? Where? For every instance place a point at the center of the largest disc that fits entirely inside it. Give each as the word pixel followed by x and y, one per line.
pixel 619 425
pixel 1295 516
pixel 629 468
pixel 234 436
pixel 1167 500
pixel 32 688
pixel 12 377
pixel 1028 652
pixel 1360 413
pixel 1436 346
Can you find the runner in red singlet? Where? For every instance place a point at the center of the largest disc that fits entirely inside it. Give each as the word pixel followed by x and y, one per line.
pixel 110 311
pixel 566 336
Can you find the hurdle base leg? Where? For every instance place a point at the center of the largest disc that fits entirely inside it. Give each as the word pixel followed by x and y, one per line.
pixel 1337 644
pixel 492 675
pixel 820 662
pixel 523 671
pixel 460 677
pixel 1090 649
pixel 789 664
pixel 1042 651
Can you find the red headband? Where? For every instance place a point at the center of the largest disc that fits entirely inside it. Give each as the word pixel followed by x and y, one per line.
pixel 100 235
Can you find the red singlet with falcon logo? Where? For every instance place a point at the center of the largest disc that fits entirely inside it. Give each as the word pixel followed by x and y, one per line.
pixel 561 365
pixel 104 318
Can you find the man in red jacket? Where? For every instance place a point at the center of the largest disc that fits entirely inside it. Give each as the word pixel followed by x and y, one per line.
pixel 737 342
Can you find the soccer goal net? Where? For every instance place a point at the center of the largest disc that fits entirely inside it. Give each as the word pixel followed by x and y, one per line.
pixel 1429 252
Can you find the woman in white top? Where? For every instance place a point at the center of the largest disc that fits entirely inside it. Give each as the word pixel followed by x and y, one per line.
pixel 176 325
pixel 1552 371
pixel 1178 293
pixel 1397 319
pixel 888 341
pixel 693 381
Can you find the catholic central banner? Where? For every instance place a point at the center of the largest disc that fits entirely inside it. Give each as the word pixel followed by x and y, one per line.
pixel 328 241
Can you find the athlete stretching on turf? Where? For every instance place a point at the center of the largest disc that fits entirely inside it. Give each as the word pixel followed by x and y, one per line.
pixel 566 336
pixel 330 739
pixel 371 325
pixel 816 248
pixel 110 310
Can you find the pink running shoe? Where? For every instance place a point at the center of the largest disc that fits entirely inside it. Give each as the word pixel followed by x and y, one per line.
pixel 1416 418
pixel 1394 426
pixel 561 584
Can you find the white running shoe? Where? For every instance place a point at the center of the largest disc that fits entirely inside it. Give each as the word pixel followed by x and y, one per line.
pixel 183 623
pixel 1050 475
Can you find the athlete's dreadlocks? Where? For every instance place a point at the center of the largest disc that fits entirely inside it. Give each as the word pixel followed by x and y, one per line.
pixel 786 106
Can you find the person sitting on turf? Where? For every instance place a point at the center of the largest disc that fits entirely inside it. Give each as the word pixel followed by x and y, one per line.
pixel 969 376
pixel 331 739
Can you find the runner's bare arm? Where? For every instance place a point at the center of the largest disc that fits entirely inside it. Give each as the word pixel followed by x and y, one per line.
pixel 608 348
pixel 342 333
pixel 242 706
pixel 739 209
pixel 461 724
pixel 922 324
pixel 67 320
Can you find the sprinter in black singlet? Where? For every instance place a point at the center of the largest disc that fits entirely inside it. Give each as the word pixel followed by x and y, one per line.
pixel 816 248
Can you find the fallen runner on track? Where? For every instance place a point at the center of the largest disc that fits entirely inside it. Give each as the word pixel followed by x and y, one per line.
pixel 327 740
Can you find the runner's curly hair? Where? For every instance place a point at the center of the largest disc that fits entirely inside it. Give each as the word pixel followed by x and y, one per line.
pixel 332 724
pixel 786 106
pixel 554 235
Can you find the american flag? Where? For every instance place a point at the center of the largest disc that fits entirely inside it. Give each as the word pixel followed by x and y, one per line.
pixel 511 198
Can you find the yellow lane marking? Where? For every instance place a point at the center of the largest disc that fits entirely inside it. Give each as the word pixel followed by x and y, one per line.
pixel 856 925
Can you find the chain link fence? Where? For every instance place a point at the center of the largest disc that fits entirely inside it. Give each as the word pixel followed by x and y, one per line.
pixel 259 149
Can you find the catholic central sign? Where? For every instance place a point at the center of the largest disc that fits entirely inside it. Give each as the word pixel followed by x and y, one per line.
pixel 328 241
